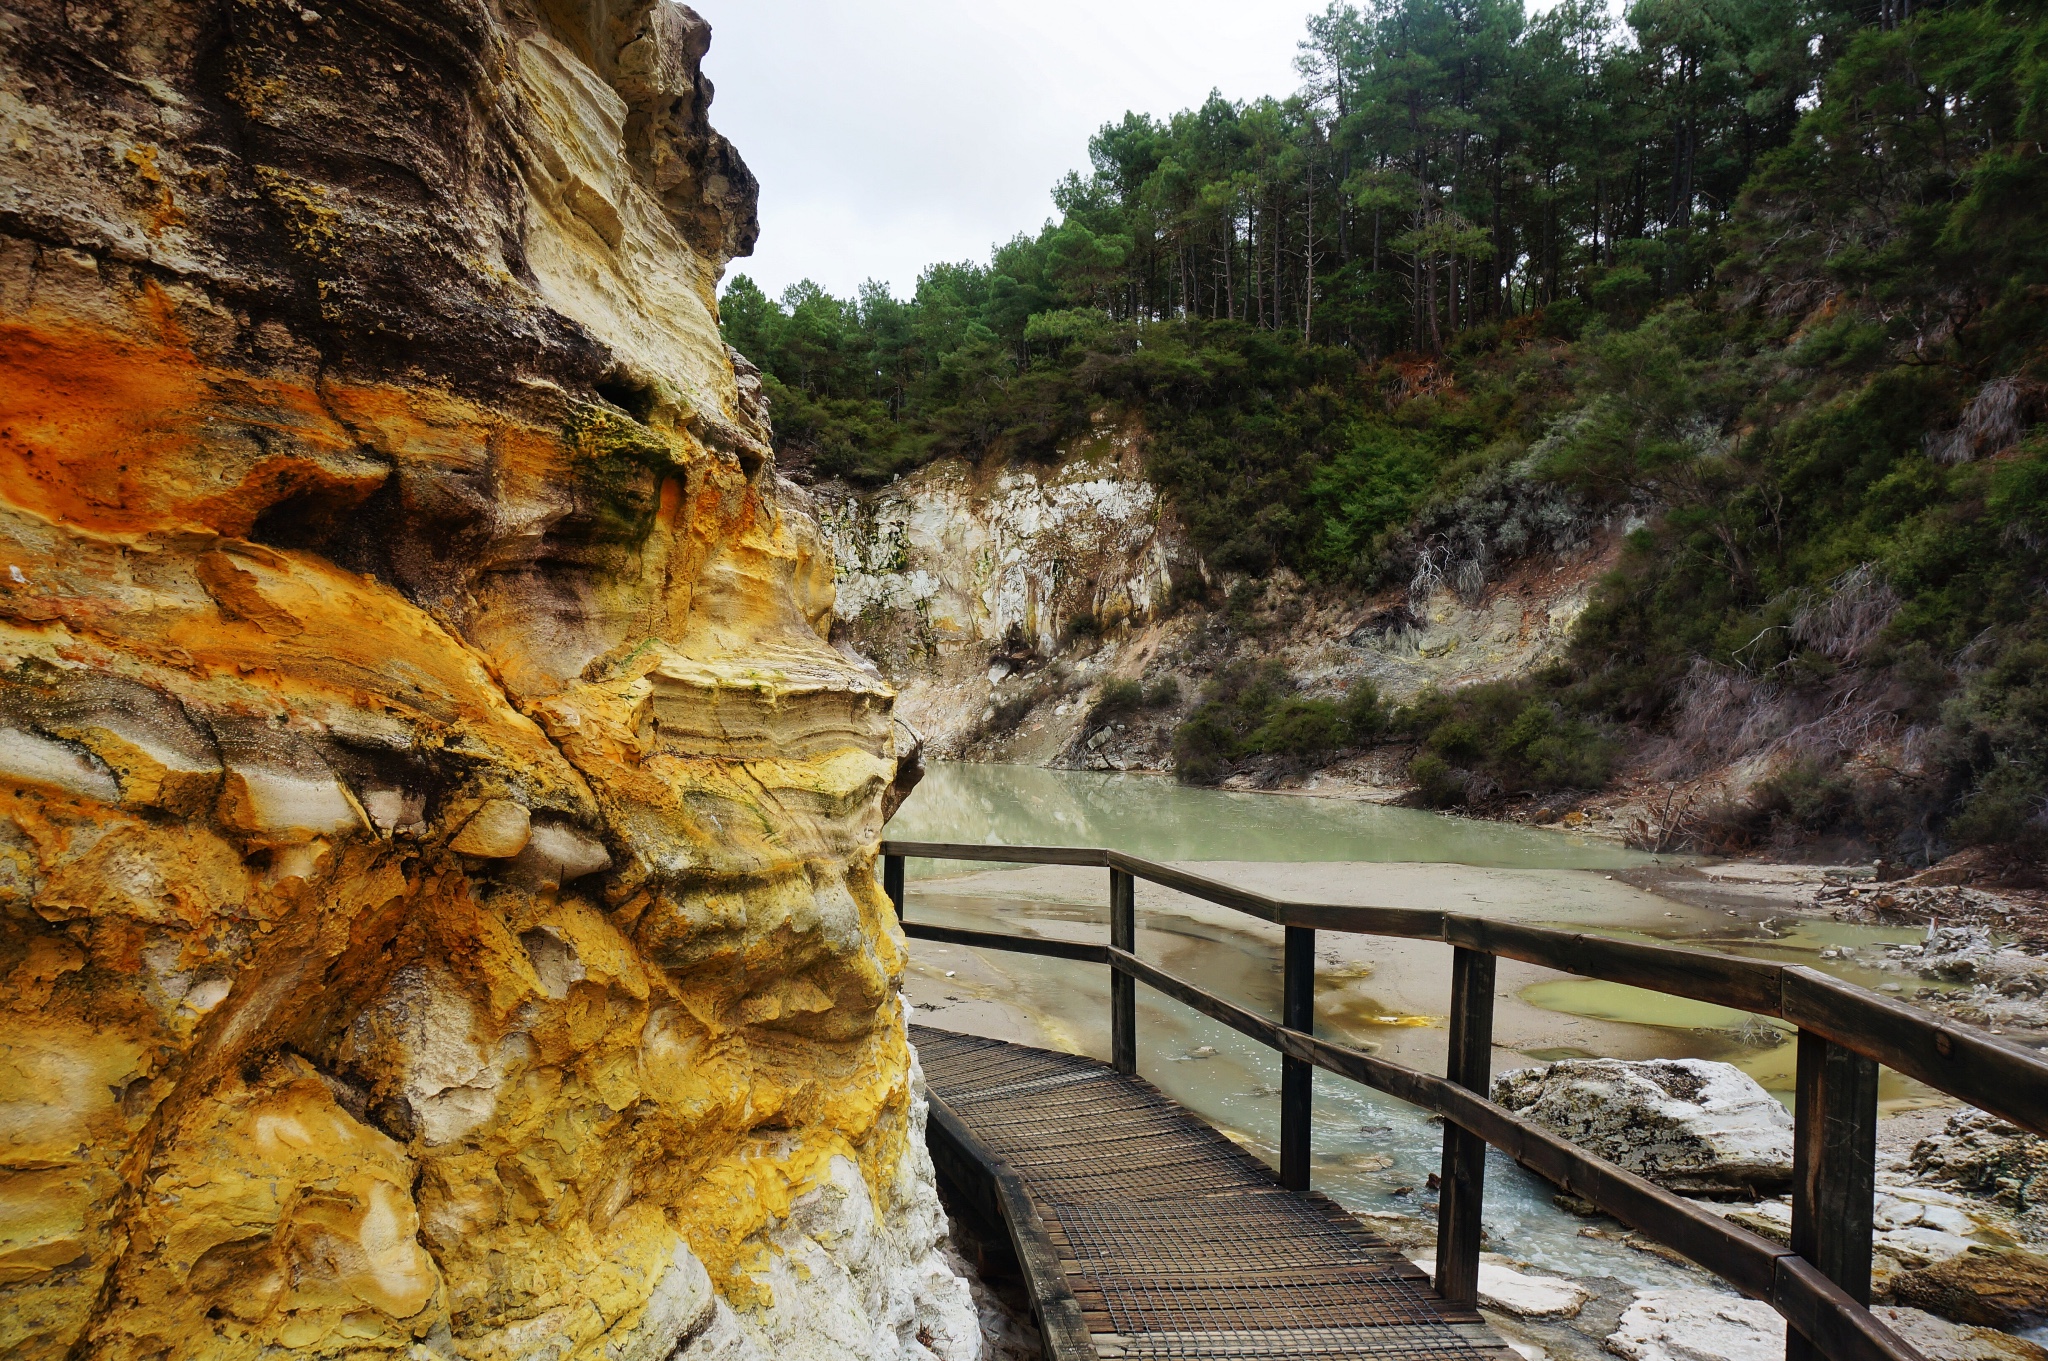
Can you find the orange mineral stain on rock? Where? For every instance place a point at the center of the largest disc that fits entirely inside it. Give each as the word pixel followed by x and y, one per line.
pixel 437 901
pixel 107 432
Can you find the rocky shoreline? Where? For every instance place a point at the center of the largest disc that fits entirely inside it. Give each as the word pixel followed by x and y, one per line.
pixel 1961 1243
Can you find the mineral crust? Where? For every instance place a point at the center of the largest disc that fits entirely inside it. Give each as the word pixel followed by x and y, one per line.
pixel 437 912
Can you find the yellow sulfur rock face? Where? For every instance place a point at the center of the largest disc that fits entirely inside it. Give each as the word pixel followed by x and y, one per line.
pixel 437 909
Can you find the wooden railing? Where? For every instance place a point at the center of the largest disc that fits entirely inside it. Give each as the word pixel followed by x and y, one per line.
pixel 1821 1283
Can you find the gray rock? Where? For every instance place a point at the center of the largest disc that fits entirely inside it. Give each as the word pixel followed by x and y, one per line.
pixel 1982 1155
pixel 1688 1124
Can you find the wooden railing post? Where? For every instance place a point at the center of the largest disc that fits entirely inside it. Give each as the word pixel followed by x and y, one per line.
pixel 892 881
pixel 1834 1170
pixel 1123 989
pixel 1462 1188
pixel 1297 1076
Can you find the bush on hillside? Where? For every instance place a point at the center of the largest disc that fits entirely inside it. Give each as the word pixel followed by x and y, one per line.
pixel 1504 738
pixel 1252 710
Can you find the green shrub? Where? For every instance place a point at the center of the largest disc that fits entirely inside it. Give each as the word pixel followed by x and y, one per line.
pixel 1517 737
pixel 2007 806
pixel 1438 784
pixel 1115 699
pixel 1162 693
pixel 1203 748
pixel 1251 710
pixel 1364 716
pixel 1563 319
pixel 1300 728
pixel 1808 796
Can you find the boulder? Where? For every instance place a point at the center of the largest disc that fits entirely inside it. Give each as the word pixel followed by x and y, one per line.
pixel 1697 1127
pixel 1939 1340
pixel 1697 1325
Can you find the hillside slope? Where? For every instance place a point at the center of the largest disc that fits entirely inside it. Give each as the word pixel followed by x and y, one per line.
pixel 1777 369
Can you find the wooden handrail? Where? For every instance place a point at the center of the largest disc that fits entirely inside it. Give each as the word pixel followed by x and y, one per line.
pixel 1822 1289
pixel 1750 1263
pixel 1989 1072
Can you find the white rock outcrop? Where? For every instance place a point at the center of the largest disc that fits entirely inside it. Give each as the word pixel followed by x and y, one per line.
pixel 954 577
pixel 1688 1124
pixel 1697 1325
pixel 1503 1288
pixel 962 557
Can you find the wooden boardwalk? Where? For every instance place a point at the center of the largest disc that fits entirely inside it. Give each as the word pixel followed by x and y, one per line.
pixel 1175 1242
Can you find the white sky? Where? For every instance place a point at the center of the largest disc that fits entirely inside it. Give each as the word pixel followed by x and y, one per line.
pixel 893 134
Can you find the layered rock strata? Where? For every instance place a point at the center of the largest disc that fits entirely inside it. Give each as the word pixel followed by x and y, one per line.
pixel 437 915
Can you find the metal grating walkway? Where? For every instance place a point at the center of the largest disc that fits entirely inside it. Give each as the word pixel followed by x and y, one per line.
pixel 1175 1241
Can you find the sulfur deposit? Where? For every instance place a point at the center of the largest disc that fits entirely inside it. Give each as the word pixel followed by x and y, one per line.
pixel 435 834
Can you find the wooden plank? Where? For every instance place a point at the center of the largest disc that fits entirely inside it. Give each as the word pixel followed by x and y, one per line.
pixel 1738 1256
pixel 1053 1306
pixel 1745 984
pixel 1297 1077
pixel 1243 1269
pixel 1988 1072
pixel 997 940
pixel 1834 1170
pixel 1009 855
pixel 1464 1161
pixel 1406 923
pixel 892 882
pixel 1123 993
pixel 1993 1074
pixel 1187 994
pixel 1742 1258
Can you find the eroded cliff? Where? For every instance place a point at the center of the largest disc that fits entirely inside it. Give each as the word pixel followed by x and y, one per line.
pixel 1005 601
pixel 435 833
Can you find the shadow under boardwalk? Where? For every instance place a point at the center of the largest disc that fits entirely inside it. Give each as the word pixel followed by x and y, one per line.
pixel 1174 1241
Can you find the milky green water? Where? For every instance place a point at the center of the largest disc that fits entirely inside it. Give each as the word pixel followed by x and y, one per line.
pixel 1155 817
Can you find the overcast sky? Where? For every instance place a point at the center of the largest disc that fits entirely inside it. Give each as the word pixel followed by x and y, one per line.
pixel 892 134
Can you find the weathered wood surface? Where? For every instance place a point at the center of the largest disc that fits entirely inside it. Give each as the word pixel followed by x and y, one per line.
pixel 996 940
pixel 1753 1265
pixel 1822 1287
pixel 1171 1240
pixel 1297 1078
pixel 1463 1177
pixel 1123 992
pixel 1834 1164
